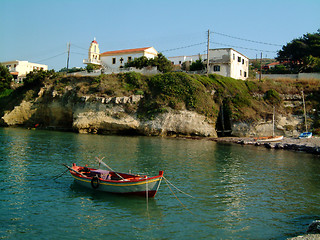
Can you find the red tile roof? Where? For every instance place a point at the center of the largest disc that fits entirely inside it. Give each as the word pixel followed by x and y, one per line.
pixel 274 63
pixel 125 51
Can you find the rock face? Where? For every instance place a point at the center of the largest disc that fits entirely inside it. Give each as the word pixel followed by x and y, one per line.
pixel 284 125
pixel 118 115
pixel 105 116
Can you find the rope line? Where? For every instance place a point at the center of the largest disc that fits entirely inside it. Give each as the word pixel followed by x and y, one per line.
pixel 178 198
pixel 177 188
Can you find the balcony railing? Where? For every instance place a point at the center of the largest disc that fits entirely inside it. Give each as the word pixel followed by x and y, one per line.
pixel 93 61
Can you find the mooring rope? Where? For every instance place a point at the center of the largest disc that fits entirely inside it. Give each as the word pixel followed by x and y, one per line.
pixel 177 188
pixel 56 177
pixel 177 197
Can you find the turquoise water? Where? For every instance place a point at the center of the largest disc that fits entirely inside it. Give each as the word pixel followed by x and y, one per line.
pixel 240 192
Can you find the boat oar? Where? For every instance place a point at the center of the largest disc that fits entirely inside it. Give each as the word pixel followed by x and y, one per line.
pixel 71 169
pixel 100 161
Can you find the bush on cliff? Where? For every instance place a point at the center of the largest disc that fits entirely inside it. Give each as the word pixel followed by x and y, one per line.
pixel 177 91
pixel 36 78
pixel 5 78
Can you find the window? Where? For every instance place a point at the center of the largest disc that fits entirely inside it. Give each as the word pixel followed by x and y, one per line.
pixel 242 61
pixel 179 62
pixel 240 72
pixel 245 74
pixel 239 59
pixel 113 60
pixel 234 57
pixel 129 59
pixel 216 68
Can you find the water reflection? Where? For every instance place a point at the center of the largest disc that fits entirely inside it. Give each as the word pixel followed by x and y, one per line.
pixel 239 191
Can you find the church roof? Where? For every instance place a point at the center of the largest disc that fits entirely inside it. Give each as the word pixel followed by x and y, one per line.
pixel 125 51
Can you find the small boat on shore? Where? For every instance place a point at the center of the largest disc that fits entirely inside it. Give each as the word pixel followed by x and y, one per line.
pixel 115 182
pixel 305 135
pixel 269 139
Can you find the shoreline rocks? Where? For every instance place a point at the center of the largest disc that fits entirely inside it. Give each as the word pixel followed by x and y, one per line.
pixel 309 145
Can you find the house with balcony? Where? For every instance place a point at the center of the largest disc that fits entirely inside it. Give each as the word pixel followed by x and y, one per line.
pixel 20 69
pixel 223 61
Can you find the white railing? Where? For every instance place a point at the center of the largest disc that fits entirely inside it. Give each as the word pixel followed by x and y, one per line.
pixel 93 61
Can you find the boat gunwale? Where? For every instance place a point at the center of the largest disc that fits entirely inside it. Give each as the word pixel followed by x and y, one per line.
pixel 142 179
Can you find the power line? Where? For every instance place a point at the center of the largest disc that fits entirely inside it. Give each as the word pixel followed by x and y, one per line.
pixel 79 53
pixel 248 40
pixel 74 45
pixel 259 50
pixel 51 57
pixel 173 49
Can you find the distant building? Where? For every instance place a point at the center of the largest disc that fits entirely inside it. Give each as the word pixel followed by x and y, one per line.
pixel 181 59
pixel 20 69
pixel 223 61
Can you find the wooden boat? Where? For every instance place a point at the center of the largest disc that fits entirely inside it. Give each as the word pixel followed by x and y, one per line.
pixel 305 135
pixel 115 182
pixel 269 139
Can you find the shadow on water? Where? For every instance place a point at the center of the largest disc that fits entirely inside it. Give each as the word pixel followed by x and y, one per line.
pixel 135 205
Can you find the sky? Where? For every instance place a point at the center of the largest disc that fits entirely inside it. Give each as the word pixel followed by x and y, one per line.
pixel 39 30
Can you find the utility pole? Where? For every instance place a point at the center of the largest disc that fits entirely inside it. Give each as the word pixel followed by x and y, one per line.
pixel 68 46
pixel 208 52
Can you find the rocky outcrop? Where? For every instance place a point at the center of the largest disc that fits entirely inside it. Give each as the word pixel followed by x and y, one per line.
pixel 65 110
pixel 100 118
pixel 284 125
pixel 313 232
pixel 104 115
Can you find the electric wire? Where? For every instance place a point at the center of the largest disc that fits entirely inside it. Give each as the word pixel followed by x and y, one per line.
pixel 49 58
pixel 173 49
pixel 223 44
pixel 248 40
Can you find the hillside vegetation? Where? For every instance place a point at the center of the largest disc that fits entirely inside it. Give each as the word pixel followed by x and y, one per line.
pixel 247 101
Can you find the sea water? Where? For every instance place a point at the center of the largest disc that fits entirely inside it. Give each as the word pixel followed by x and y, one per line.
pixel 238 192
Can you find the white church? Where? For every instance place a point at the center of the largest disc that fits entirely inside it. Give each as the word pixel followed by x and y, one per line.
pixel 115 60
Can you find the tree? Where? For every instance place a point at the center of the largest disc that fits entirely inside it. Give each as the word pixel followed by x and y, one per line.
pixel 90 67
pixel 37 77
pixel 299 50
pixel 5 78
pixel 163 64
pixel 160 61
pixel 197 65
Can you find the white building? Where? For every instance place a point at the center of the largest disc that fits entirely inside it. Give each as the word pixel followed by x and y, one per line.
pixel 114 61
pixel 19 69
pixel 223 61
pixel 229 63
pixel 117 59
pixel 181 59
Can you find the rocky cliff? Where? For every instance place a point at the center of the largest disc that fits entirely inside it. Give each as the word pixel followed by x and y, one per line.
pixel 103 116
pixel 170 105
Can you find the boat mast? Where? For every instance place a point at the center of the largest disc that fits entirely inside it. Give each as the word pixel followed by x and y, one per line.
pixel 304 111
pixel 273 122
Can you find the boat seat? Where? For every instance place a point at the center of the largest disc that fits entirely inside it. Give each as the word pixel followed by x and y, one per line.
pixel 104 174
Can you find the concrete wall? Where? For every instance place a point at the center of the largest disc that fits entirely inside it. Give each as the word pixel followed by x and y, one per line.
pixel 145 71
pixel 291 76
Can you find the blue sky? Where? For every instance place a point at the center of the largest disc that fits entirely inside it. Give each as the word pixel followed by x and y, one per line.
pixel 39 30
